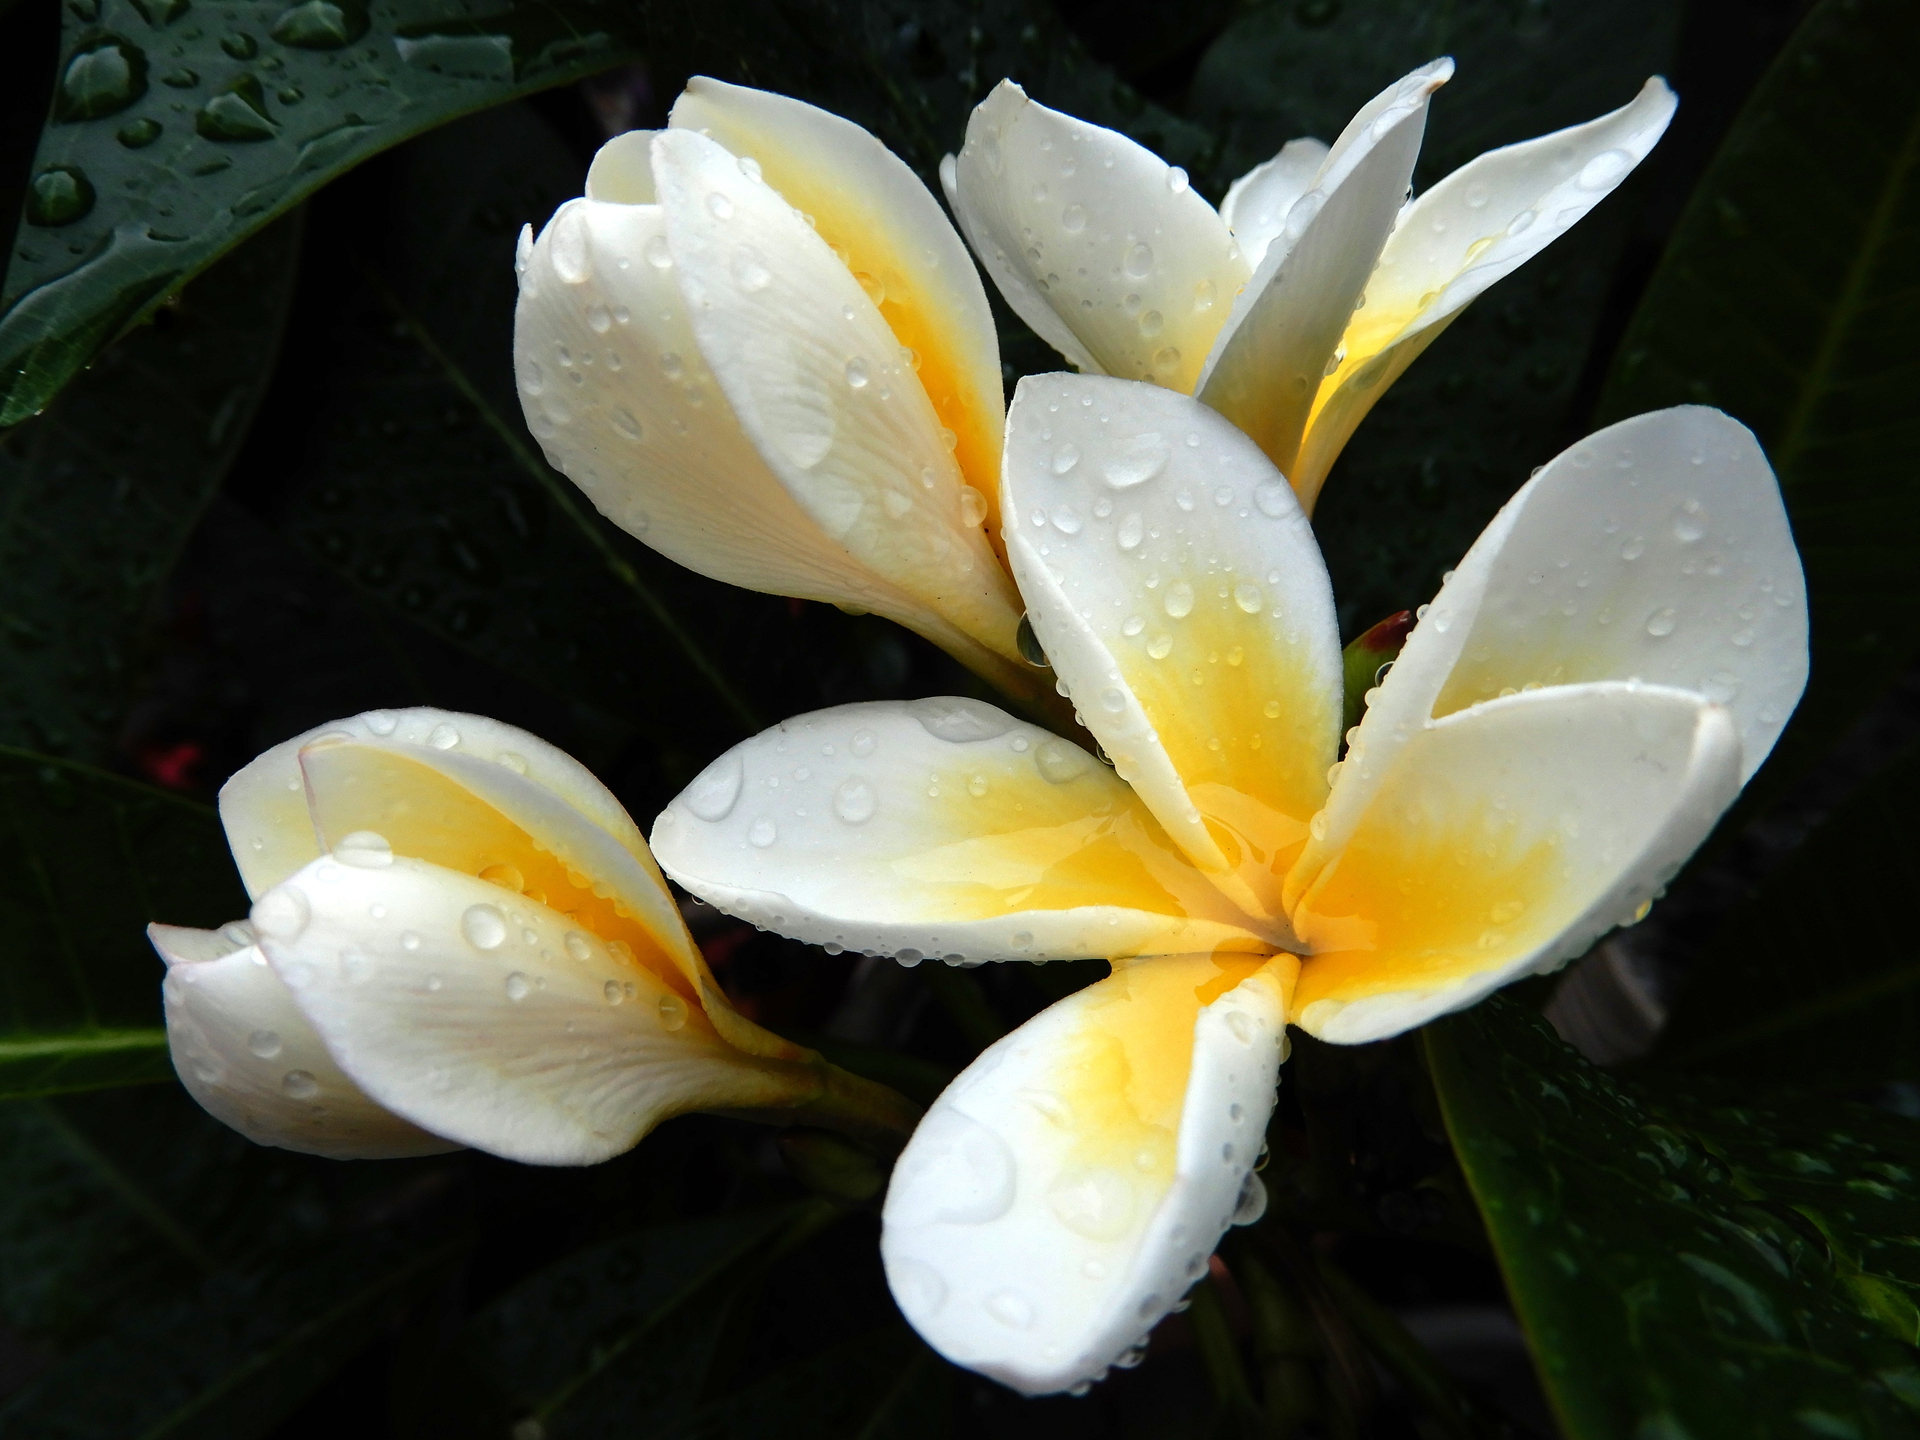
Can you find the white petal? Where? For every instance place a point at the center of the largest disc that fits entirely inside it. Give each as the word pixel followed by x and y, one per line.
pixel 622 170
pixel 942 828
pixel 263 806
pixel 1475 227
pixel 1257 204
pixel 822 388
pixel 1064 1192
pixel 891 232
pixel 1267 363
pixel 1178 592
pixel 493 1020
pixel 245 1052
pixel 613 384
pixel 471 814
pixel 1087 232
pixel 1657 549
pixel 1502 841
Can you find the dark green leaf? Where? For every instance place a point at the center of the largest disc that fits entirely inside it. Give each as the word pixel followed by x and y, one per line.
pixel 1838 1007
pixel 1786 298
pixel 234 1359
pixel 89 859
pixel 176 132
pixel 621 1331
pixel 1459 432
pixel 99 495
pixel 1690 1261
pixel 885 1385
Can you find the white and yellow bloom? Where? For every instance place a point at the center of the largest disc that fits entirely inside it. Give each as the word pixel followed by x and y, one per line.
pixel 1613 658
pixel 758 344
pixel 1295 306
pixel 458 937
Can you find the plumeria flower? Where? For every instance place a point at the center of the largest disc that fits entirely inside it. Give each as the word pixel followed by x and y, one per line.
pixel 1292 308
pixel 1587 693
pixel 458 937
pixel 758 344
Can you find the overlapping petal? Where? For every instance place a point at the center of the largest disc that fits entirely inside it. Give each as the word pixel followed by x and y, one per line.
pixel 940 828
pixel 799 400
pixel 1177 588
pixel 1472 229
pixel 1095 241
pixel 1499 841
pixel 1067 1189
pixel 1271 356
pixel 466 935
pixel 246 1053
pixel 1258 203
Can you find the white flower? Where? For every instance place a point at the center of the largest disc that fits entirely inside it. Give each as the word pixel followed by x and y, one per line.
pixel 1612 660
pixel 1293 308
pixel 758 344
pixel 459 938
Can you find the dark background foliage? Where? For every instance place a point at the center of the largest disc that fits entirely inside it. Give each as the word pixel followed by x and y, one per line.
pixel 299 487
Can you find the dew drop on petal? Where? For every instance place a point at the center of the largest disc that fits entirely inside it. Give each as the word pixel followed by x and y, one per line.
pixel 484 926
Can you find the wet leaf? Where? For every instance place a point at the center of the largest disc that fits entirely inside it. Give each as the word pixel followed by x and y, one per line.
pixel 1838 1004
pixel 1786 299
pixel 1690 1258
pixel 1492 399
pixel 89 859
pixel 99 495
pixel 615 1338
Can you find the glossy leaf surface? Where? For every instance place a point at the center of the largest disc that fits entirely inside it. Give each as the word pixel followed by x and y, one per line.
pixel 99 495
pixel 1690 1260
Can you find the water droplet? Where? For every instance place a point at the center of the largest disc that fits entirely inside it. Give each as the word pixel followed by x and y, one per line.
pixel 977 786
pixel 1521 222
pixel 625 423
pixel 1097 1202
pixel 1633 548
pixel 1065 458
pixel 239 44
pixel 1604 170
pixel 1252 1202
pixel 1160 646
pixel 973 506
pixel 1690 523
pixel 762 833
pixel 299 1085
pixel 518 986
pixel 264 1043
pixel 1239 1023
pixel 381 722
pixel 321 24
pixel 1010 1308
pixel 1132 528
pixel 237 115
pixel 719 205
pixel 856 371
pixel 106 75
pixel 1135 624
pixel 59 195
pixel 1248 597
pixel 507 877
pixel 1661 622
pixel 1139 460
pixel 409 940
pixel 658 253
pixel 1073 219
pixel 1177 180
pixel 1139 263
pixel 1179 599
pixel 673 1012
pixel 1742 638
pixel 138 134
pixel 364 850
pixel 1721 687
pixel 599 319
pixel 1204 295
pixel 862 743
pixel 713 792
pixel 853 800
pixel 1060 761
pixel 1477 196
pixel 1066 519
pixel 614 991
pixel 1151 323
pixel 282 913
pixel 484 926
pixel 443 737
